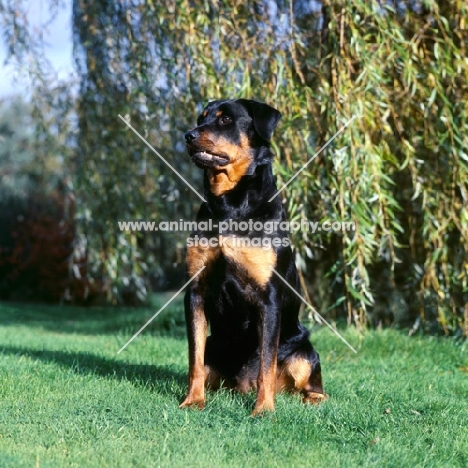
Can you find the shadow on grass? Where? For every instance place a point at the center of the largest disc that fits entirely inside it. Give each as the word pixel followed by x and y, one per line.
pixel 157 379
pixel 99 320
pixel 161 380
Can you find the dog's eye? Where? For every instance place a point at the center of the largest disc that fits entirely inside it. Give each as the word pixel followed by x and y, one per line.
pixel 225 119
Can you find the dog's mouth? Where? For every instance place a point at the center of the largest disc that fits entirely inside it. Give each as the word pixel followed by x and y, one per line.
pixel 205 159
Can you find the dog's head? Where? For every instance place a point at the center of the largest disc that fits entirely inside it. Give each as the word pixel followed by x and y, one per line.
pixel 231 138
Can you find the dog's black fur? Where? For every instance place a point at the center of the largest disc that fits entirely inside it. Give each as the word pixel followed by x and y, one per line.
pixel 256 341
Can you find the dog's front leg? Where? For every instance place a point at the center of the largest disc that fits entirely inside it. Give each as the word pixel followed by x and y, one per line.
pixel 196 333
pixel 269 327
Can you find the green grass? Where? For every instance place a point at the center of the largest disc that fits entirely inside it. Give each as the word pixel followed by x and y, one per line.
pixel 67 399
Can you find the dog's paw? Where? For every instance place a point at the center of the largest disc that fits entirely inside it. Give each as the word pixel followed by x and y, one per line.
pixel 261 408
pixel 313 398
pixel 189 402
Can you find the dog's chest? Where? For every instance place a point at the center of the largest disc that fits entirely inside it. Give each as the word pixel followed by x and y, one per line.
pixel 240 255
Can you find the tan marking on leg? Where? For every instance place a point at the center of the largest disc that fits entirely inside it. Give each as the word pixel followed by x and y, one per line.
pixel 196 392
pixel 299 369
pixel 266 390
pixel 296 375
pixel 257 261
pixel 198 256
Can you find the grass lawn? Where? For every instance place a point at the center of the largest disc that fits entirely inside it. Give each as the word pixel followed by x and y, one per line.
pixel 67 399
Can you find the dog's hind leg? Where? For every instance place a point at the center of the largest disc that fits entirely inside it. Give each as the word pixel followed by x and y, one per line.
pixel 301 373
pixel 313 390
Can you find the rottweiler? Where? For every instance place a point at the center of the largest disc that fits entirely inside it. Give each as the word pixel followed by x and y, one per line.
pixel 256 340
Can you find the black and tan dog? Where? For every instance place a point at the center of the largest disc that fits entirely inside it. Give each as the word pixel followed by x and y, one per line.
pixel 256 340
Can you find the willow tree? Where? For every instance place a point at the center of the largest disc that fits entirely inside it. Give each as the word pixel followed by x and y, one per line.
pixel 398 171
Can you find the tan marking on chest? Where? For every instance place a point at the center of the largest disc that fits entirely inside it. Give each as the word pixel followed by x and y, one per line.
pixel 198 256
pixel 258 262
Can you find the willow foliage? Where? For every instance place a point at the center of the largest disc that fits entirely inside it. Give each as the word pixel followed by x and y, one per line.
pixel 399 170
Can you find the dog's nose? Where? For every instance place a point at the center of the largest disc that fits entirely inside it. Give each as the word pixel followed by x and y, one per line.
pixel 191 135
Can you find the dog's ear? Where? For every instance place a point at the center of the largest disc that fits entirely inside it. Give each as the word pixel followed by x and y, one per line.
pixel 265 118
